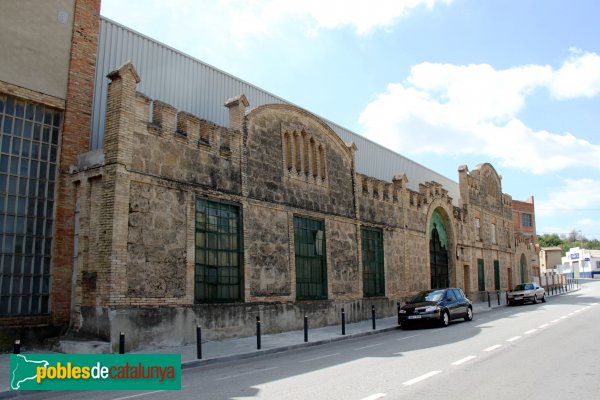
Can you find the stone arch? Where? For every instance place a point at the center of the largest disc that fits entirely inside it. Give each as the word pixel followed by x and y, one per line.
pixel 441 252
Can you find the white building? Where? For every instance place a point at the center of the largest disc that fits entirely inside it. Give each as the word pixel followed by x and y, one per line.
pixel 581 263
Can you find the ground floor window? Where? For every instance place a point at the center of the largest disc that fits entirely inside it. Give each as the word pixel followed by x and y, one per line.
pixel 29 135
pixel 311 265
pixel 218 275
pixel 372 258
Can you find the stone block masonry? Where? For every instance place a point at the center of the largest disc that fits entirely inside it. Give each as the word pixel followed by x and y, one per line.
pixel 142 267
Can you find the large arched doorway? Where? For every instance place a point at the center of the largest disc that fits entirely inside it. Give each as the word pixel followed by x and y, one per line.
pixel 438 252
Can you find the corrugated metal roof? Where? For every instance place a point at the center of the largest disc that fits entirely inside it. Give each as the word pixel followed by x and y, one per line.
pixel 191 85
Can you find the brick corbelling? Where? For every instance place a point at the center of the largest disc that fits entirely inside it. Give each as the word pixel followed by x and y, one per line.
pixel 74 140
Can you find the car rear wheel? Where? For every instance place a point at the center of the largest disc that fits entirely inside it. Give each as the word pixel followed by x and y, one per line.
pixel 544 298
pixel 535 299
pixel 445 320
pixel 469 316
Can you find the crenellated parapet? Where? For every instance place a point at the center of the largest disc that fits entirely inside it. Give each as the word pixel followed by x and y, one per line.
pixel 183 127
pixel 379 190
pixel 151 137
pixel 433 190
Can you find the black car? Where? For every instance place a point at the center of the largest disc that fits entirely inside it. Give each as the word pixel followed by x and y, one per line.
pixel 438 306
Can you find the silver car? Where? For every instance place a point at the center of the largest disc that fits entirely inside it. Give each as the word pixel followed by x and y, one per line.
pixel 527 292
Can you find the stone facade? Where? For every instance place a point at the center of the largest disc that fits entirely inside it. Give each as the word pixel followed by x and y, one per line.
pixel 137 261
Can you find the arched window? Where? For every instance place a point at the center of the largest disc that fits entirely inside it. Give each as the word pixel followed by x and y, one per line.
pixel 287 144
pixel 322 161
pixel 298 147
pixel 313 156
pixel 305 154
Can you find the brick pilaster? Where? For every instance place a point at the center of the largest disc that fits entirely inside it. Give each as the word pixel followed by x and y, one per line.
pixel 75 140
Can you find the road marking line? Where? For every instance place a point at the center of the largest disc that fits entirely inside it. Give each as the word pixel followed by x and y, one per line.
pixel 494 347
pixel 563 317
pixel 374 396
pixel 408 337
pixel 369 346
pixel 463 360
pixel 543 326
pixel 320 358
pixel 256 371
pixel 571 314
pixel 138 395
pixel 555 320
pixel 421 378
pixel 512 339
pixel 530 331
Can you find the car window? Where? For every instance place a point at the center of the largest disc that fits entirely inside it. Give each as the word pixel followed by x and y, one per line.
pixel 458 293
pixel 430 295
pixel 520 287
pixel 450 295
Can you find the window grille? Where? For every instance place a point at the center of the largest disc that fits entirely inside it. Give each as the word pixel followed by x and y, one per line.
pixel 372 257
pixel 218 275
pixel 29 136
pixel 311 265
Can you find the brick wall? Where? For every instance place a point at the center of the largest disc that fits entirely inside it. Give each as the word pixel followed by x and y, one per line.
pixel 75 140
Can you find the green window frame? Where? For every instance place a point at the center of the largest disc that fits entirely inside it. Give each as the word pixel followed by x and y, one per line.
pixel 497 274
pixel 219 252
pixel 310 256
pixel 481 274
pixel 372 258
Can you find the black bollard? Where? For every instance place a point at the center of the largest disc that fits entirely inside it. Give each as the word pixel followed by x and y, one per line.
pixel 17 347
pixel 258 344
pixel 489 300
pixel 373 316
pixel 398 304
pixel 498 296
pixel 199 342
pixel 305 329
pixel 122 343
pixel 343 322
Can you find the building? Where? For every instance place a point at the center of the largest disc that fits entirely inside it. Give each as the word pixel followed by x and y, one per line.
pixel 46 86
pixel 227 204
pixel 581 263
pixel 550 258
pixel 525 238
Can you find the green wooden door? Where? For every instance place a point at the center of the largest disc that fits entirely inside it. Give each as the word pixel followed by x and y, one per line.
pixel 497 274
pixel 481 274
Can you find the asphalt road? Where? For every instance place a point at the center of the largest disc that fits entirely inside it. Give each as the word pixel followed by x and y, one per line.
pixel 544 351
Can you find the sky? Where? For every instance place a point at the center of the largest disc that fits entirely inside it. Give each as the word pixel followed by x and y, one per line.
pixel 515 83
